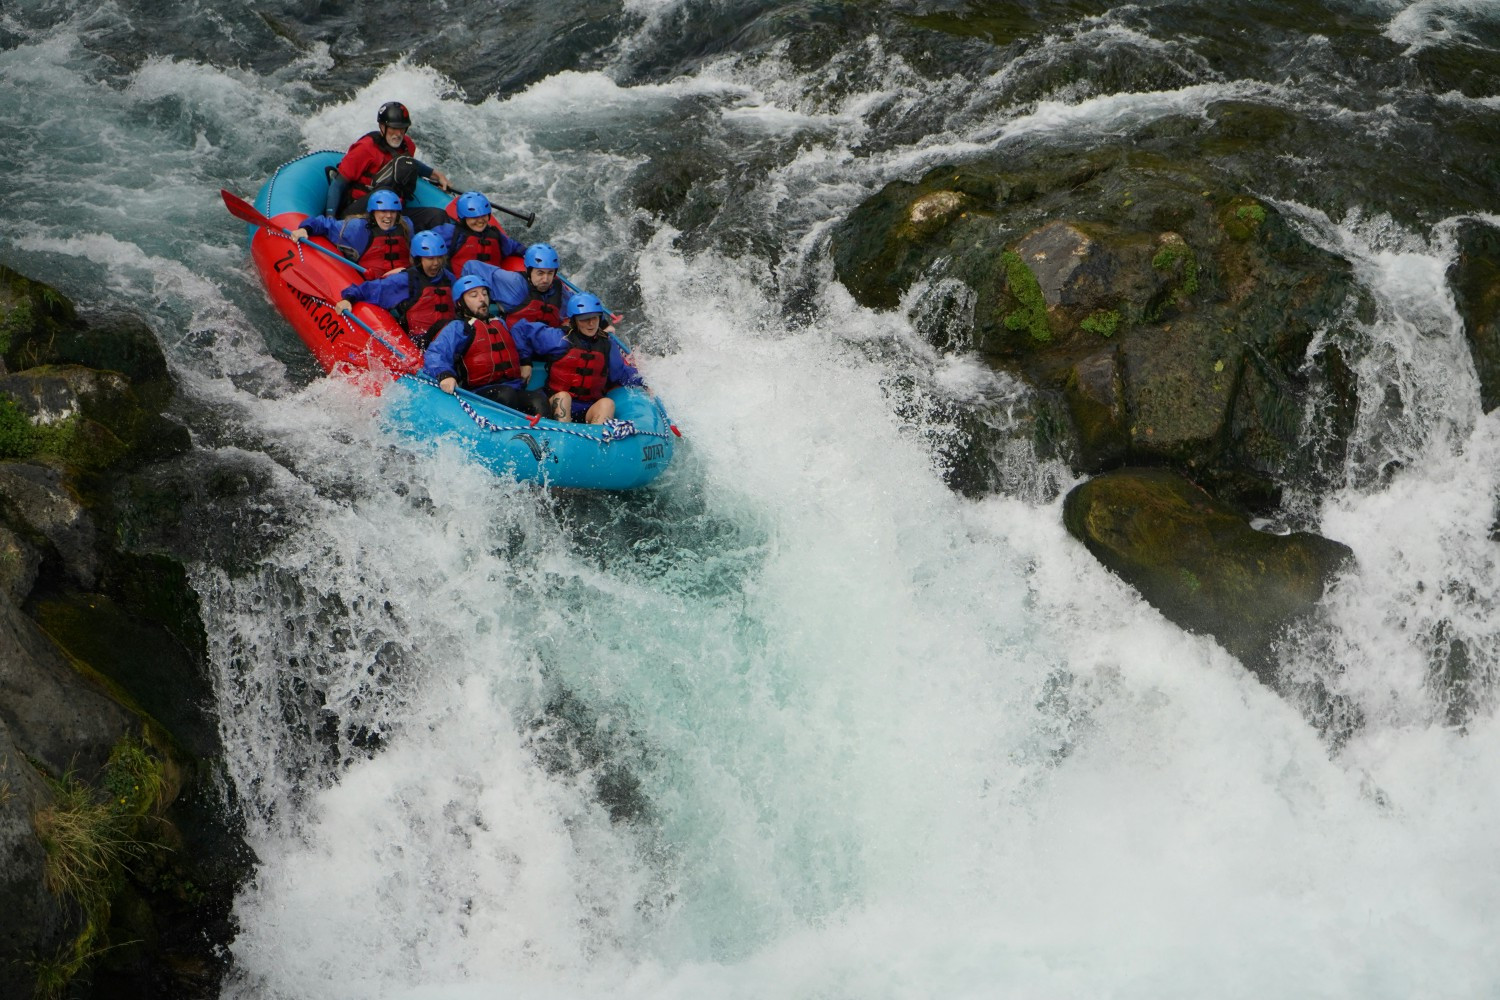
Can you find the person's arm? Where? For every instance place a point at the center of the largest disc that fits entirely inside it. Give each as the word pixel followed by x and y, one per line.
pixel 314 225
pixel 510 246
pixel 336 188
pixel 438 359
pixel 543 342
pixel 387 292
pixel 436 176
pixel 621 373
pixel 507 288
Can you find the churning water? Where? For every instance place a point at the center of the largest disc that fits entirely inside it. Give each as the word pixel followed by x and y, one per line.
pixel 799 721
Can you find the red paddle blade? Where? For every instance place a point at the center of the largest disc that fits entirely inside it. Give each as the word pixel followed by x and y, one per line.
pixel 244 211
pixel 302 283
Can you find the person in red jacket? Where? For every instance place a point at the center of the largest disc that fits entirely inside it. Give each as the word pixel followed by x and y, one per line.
pixel 370 154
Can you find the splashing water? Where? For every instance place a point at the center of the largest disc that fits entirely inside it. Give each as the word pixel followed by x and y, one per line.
pixel 799 721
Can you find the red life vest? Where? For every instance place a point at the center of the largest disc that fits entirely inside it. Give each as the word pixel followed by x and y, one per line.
pixel 387 251
pixel 491 355
pixel 373 157
pixel 541 307
pixel 469 245
pixel 429 306
pixel 583 371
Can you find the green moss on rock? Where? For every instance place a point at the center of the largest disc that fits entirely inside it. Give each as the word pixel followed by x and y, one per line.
pixel 1198 560
pixel 1103 322
pixel 1031 312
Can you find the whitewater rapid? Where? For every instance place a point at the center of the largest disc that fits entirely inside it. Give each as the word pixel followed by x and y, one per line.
pixel 862 737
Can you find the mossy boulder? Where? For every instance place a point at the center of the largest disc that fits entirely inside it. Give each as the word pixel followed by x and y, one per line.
pixel 40 326
pixel 1475 278
pixel 1171 314
pixel 1200 562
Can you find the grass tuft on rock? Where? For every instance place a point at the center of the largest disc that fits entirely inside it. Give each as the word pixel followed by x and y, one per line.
pixel 90 837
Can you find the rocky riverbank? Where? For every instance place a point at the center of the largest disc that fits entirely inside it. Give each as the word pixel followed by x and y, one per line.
pixel 120 852
pixel 1186 342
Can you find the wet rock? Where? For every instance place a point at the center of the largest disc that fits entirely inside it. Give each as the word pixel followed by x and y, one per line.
pixel 58 716
pixel 36 922
pixel 1205 302
pixel 1095 393
pixel 18 565
pixel 33 498
pixel 51 396
pixel 39 326
pixel 1070 268
pixel 1475 278
pixel 1200 562
pixel 108 652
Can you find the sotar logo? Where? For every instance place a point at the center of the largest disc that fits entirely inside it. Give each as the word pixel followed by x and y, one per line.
pixel 327 320
pixel 652 452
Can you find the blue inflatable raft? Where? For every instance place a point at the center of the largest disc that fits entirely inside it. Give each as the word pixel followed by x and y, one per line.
pixel 628 452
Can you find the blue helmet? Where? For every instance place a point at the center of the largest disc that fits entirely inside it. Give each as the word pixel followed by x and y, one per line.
pixel 467 284
pixel 582 304
pixel 473 205
pixel 428 244
pixel 384 200
pixel 540 255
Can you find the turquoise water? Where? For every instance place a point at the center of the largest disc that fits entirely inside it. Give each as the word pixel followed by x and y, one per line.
pixel 798 721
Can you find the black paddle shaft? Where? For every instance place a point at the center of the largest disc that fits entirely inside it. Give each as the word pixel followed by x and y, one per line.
pixel 526 217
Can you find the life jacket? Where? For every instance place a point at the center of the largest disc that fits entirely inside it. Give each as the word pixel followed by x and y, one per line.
pixel 540 307
pixel 428 307
pixel 584 370
pixel 388 250
pixel 491 355
pixel 468 245
pixel 384 154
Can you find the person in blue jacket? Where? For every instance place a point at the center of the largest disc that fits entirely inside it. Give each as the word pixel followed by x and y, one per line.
pixel 488 356
pixel 420 297
pixel 592 365
pixel 473 236
pixel 508 289
pixel 380 244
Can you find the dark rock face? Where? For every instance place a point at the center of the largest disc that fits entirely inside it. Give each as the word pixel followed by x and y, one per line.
pixel 58 719
pixel 1172 317
pixel 33 498
pixel 1475 277
pixel 36 922
pixel 102 671
pixel 1199 562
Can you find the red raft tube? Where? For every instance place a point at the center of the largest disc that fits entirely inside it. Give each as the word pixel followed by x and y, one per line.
pixel 304 281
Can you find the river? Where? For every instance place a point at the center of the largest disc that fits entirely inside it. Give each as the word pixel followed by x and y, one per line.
pixel 797 721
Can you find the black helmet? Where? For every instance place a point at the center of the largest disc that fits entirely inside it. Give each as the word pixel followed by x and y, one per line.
pixel 393 114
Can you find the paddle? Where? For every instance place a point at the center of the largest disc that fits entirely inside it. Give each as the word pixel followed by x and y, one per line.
pixel 244 211
pixel 526 217
pixel 301 283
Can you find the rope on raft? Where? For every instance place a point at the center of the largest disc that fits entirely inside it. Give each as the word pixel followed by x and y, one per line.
pixel 610 431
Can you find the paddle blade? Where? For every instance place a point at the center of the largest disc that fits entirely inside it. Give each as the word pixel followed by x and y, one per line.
pixel 299 282
pixel 245 212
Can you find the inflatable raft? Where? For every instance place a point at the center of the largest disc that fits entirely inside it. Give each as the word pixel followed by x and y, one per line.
pixel 304 283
